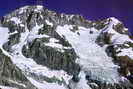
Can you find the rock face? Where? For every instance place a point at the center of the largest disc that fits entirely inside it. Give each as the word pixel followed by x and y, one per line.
pixel 52 58
pixel 49 50
pixel 11 75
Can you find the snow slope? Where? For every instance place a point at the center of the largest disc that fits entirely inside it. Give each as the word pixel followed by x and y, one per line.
pixel 4 87
pixel 3 35
pixel 92 57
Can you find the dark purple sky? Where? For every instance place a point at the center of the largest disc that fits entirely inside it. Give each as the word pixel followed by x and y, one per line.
pixel 90 9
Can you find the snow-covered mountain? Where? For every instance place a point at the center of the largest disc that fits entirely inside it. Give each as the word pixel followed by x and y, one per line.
pixel 42 49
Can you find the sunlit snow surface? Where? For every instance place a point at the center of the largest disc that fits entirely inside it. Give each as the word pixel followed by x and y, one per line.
pixel 16 20
pixel 45 85
pixel 3 35
pixel 92 57
pixel 49 23
pixel 5 87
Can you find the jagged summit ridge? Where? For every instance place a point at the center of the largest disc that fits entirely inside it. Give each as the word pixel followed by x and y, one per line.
pixel 66 51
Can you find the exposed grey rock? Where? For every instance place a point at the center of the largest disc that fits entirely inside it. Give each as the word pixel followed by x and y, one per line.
pixel 11 75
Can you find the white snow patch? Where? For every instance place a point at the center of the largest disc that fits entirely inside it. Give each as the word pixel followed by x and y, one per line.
pixel 49 23
pixel 54 43
pixel 126 29
pixel 53 40
pixel 39 7
pixel 23 9
pixel 21 84
pixel 46 85
pixel 115 21
pixel 120 39
pixel 126 52
pixel 16 20
pixel 22 25
pixel 6 87
pixel 71 16
pixel 15 32
pixel 3 35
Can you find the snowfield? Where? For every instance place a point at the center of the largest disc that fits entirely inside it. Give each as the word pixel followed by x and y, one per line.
pixel 3 35
pixel 92 57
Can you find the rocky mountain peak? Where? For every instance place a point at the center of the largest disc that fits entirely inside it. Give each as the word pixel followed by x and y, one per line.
pixel 54 50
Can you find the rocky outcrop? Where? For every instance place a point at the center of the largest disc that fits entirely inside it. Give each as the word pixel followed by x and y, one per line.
pixel 11 75
pixel 51 57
